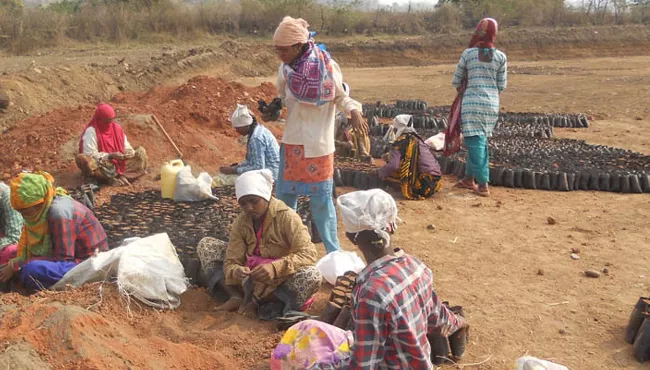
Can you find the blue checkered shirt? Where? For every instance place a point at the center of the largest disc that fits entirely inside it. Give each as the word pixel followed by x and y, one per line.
pixel 263 152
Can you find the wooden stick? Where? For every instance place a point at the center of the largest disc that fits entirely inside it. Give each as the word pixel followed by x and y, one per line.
pixel 559 303
pixel 178 151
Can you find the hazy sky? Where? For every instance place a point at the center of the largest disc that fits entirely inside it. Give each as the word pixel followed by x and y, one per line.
pixel 390 2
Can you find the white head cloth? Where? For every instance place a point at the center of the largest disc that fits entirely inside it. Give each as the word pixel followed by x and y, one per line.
pixel 401 124
pixel 258 182
pixel 368 210
pixel 242 117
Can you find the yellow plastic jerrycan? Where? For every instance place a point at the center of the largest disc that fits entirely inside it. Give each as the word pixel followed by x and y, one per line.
pixel 168 174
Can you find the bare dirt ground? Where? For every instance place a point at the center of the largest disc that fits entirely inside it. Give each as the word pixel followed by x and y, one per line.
pixel 486 254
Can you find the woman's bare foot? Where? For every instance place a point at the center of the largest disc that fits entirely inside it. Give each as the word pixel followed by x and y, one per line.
pixel 230 306
pixel 483 190
pixel 249 310
pixel 466 183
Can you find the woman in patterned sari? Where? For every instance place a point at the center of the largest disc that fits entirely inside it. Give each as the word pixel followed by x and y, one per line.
pixel 410 163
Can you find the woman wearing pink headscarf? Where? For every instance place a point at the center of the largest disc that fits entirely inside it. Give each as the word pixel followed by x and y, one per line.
pixel 310 85
pixel 106 154
pixel 481 76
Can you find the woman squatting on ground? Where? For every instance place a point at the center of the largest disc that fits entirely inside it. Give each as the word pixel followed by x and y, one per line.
pixel 262 149
pixel 410 164
pixel 394 305
pixel 268 266
pixel 105 153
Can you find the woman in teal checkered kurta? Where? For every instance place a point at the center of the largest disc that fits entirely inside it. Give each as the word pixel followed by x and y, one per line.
pixel 485 69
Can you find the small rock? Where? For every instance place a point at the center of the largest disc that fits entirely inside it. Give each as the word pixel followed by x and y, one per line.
pixel 540 272
pixel 608 264
pixel 477 205
pixel 563 332
pixel 439 207
pixel 575 256
pixel 575 250
pixel 606 271
pixel 431 227
pixel 574 311
pixel 592 273
pixel 551 221
pixel 499 204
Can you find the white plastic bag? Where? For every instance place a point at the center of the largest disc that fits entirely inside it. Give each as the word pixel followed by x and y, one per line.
pixel 437 142
pixel 533 363
pixel 338 263
pixel 150 271
pixel 193 189
pixel 223 180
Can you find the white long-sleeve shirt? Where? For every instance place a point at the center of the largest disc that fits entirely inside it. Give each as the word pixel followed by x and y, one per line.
pixel 313 126
pixel 91 148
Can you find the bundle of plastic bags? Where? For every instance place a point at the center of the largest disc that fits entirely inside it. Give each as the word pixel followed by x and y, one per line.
pixel 337 263
pixel 193 189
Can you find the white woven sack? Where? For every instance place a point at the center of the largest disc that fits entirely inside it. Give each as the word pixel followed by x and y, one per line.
pixel 150 271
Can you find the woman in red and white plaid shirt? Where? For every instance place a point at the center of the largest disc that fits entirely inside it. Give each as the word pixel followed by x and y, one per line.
pixel 394 304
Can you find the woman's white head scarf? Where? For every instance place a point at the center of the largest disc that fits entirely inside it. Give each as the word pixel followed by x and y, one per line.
pixel 259 182
pixel 241 117
pixel 368 210
pixel 403 124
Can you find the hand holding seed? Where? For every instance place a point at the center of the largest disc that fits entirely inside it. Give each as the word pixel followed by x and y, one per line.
pixel 241 272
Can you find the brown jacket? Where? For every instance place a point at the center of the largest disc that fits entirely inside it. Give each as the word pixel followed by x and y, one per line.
pixel 284 236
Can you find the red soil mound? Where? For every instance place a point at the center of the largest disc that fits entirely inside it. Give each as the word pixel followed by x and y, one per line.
pixel 196 115
pixel 83 329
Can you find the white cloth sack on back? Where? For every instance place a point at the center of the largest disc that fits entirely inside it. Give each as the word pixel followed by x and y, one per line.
pixel 193 189
pixel 150 271
pixel 437 142
pixel 337 263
